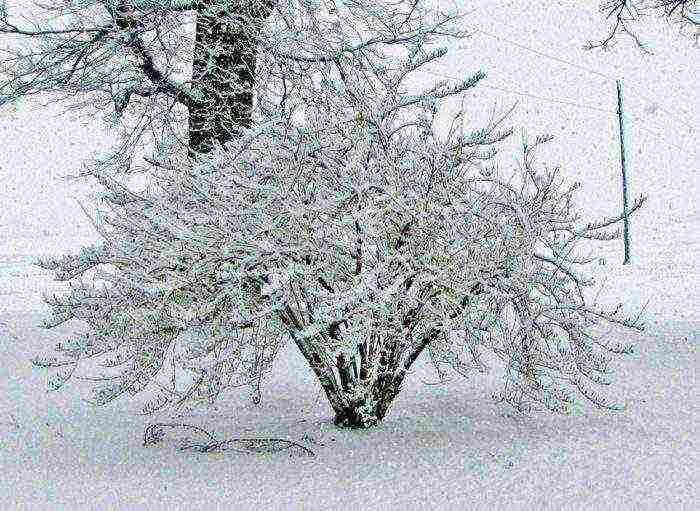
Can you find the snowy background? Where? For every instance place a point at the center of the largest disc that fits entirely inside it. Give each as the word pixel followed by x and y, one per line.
pixel 448 446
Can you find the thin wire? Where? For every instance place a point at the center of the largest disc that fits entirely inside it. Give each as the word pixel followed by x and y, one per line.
pixel 583 68
pixel 557 59
pixel 632 120
pixel 551 100
pixel 564 102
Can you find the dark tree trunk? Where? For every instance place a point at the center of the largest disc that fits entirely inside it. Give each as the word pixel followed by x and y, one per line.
pixel 366 392
pixel 219 61
pixel 366 409
pixel 379 388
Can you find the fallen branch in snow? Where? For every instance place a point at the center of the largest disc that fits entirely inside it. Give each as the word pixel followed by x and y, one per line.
pixel 154 434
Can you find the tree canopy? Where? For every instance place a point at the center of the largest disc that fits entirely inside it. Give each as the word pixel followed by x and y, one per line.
pixel 362 239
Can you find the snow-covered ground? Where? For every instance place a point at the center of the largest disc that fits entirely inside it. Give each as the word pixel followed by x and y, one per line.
pixel 444 447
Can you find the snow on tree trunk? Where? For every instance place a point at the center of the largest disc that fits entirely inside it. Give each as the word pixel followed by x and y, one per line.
pixel 363 397
pixel 222 57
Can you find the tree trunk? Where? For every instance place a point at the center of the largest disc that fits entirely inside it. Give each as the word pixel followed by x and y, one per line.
pixel 367 393
pixel 364 396
pixel 366 408
pixel 219 61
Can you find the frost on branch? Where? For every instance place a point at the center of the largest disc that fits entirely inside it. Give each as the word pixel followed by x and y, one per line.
pixel 362 239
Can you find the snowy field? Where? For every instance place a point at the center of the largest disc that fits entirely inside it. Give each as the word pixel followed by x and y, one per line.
pixel 443 447
pixel 440 447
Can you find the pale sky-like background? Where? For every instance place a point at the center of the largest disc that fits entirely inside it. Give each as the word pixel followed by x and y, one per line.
pixel 443 446
pixel 661 104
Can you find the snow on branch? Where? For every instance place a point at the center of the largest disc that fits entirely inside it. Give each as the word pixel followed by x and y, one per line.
pixel 364 242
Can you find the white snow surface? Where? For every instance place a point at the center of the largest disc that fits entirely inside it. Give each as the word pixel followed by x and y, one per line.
pixel 440 447
pixel 443 447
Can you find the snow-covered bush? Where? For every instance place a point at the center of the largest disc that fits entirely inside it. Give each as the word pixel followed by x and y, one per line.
pixel 359 241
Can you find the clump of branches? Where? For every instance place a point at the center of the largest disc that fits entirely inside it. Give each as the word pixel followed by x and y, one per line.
pixel 625 12
pixel 360 253
pixel 362 238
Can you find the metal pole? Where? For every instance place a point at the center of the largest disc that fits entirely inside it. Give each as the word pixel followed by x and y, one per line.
pixel 626 231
